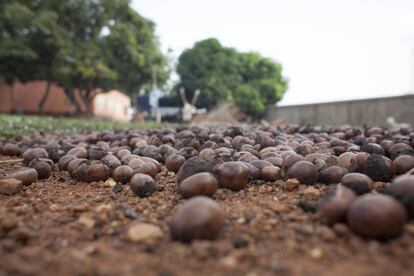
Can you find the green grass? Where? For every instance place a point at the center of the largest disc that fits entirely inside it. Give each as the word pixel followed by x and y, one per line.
pixel 15 126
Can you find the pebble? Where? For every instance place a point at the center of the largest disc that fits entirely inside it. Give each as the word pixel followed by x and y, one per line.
pixel 144 232
pixel 291 184
pixel 10 186
pixel 86 221
pixel 311 193
pixel 316 253
pixel 110 183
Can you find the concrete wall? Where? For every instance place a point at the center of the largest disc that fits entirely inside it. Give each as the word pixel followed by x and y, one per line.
pixel 372 112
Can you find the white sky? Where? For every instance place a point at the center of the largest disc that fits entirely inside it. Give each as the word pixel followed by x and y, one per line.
pixel 330 49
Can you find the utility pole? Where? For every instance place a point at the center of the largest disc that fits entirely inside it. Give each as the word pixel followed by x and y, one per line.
pixel 154 87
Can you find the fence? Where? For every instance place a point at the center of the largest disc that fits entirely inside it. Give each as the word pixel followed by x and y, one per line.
pixel 371 112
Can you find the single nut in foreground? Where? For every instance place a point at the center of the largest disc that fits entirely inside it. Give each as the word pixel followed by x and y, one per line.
pixel 403 164
pixel 332 174
pixel 378 168
pixel 34 153
pixel 402 188
pixel 64 162
pixel 11 150
pixel 122 174
pixel 304 171
pixel 357 182
pixel 199 184
pixel 91 172
pixel 335 204
pixel 199 218
pixel 376 216
pixel 270 173
pixel 174 162
pixel 26 175
pixel 148 168
pixel 43 166
pixel 233 175
pixel 142 185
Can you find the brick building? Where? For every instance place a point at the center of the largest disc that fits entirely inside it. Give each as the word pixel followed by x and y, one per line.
pixel 110 105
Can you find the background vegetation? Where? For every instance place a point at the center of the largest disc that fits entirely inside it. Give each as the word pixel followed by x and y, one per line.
pixel 88 44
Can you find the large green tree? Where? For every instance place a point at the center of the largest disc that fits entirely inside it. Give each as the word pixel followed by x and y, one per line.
pixel 222 73
pixel 79 44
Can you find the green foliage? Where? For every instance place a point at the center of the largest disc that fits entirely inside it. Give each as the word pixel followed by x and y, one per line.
pixel 225 74
pixel 248 99
pixel 80 44
pixel 14 126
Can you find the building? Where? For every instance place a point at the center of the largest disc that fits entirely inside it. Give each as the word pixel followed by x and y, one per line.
pixel 113 104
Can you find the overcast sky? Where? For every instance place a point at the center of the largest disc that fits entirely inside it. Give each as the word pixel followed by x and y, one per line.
pixel 330 49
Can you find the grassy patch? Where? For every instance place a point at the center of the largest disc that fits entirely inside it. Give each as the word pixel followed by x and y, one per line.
pixel 15 126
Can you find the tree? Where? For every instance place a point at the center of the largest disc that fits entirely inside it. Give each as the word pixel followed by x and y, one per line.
pixel 16 54
pixel 131 49
pixel 210 67
pixel 82 45
pixel 225 74
pixel 248 99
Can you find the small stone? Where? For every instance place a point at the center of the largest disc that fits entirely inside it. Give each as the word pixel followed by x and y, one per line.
pixel 306 229
pixel 86 221
pixel 316 253
pixel 104 208
pixel 229 261
pixel 10 186
pixel 144 232
pixel 110 183
pixel 291 184
pixel 311 193
pixel 53 207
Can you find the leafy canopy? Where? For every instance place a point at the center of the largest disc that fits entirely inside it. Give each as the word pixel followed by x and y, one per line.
pixel 223 73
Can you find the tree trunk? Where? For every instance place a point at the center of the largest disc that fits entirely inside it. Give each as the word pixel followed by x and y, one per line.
pixel 88 101
pixel 71 96
pixel 44 97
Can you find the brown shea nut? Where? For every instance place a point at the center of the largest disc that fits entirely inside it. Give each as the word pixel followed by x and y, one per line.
pixel 270 173
pixel 233 175
pixel 148 168
pixel 254 172
pixel 376 216
pixel 403 164
pixel 153 161
pixel 335 204
pixel 122 174
pixel 357 182
pixel 26 175
pixel 43 166
pixel 402 188
pixel 136 163
pixel 304 171
pixel 196 165
pixel 11 150
pixel 79 152
pixel 74 164
pixel 199 184
pixel 91 172
pixel 174 162
pixel 378 168
pixel 111 161
pixel 142 185
pixel 64 162
pixel 200 218
pixel 332 174
pixel 34 153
